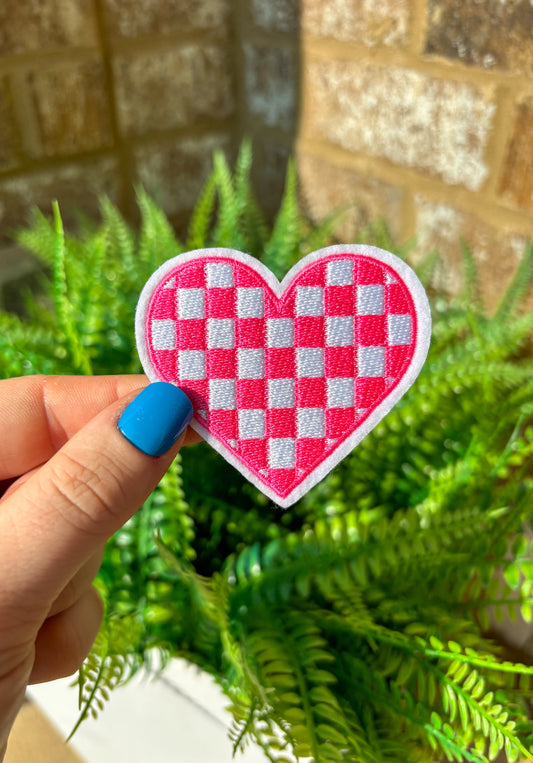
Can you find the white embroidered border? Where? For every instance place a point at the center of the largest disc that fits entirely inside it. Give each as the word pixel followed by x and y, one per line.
pixel 423 336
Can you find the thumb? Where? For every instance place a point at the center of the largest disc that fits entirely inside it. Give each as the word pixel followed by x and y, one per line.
pixel 65 512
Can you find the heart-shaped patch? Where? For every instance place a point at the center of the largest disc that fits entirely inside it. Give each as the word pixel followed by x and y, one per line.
pixel 285 378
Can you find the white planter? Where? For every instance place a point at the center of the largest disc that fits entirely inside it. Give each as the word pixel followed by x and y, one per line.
pixel 178 718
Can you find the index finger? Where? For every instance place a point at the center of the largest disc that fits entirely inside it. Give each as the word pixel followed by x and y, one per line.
pixel 38 414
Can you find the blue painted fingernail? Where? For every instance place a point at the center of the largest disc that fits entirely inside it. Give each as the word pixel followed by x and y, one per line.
pixel 156 418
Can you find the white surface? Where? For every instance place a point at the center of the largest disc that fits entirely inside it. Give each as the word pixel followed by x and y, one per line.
pixel 179 718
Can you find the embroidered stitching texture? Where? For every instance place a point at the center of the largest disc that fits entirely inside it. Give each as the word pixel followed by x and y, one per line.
pixel 282 382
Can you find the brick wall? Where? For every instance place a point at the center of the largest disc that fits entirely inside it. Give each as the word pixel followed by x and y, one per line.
pixel 418 111
pixel 421 111
pixel 96 95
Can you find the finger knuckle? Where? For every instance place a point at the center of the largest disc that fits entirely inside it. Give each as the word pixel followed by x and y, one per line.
pixel 88 496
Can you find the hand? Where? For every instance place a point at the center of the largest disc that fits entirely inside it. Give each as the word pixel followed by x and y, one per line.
pixel 74 477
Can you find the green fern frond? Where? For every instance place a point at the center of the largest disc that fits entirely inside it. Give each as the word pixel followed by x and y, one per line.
pixel 39 238
pixel 201 216
pixel 120 237
pixel 519 286
pixel 157 240
pixel 282 251
pixel 321 234
pixel 63 307
pixel 110 663
pixel 35 351
pixel 243 166
pixel 227 228
pixel 292 661
pixel 427 268
pixel 346 546
pixel 471 289
pixel 178 532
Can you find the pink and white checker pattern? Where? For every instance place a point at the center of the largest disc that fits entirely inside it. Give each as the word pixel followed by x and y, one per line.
pixel 281 381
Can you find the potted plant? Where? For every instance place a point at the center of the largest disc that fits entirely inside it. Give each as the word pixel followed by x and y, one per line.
pixel 354 625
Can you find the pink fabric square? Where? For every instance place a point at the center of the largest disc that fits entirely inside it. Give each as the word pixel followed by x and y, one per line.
pixel 251 393
pixel 367 391
pixel 250 332
pixel 280 363
pixel 340 362
pixel 398 359
pixel 398 300
pixel 339 300
pixel 371 330
pixel 224 422
pixel 166 307
pixel 309 451
pixel 220 303
pixel 221 364
pixel 311 393
pixel 166 360
pixel 281 422
pixel 309 331
pixel 190 334
pixel 339 421
pixel 313 276
pixel 281 479
pixel 245 276
pixel 192 276
pixel 369 272
pixel 255 453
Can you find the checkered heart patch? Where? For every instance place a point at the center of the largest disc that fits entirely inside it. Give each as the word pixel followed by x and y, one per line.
pixel 285 378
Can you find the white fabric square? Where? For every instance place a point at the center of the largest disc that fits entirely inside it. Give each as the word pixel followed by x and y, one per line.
pixel 389 279
pixel 371 361
pixel 250 302
pixel 220 333
pixel 370 300
pixel 280 332
pixel 310 422
pixel 170 284
pixel 399 329
pixel 163 334
pixel 281 393
pixel 251 424
pixel 340 392
pixel 191 364
pixel 309 300
pixel 339 331
pixel 281 453
pixel 222 394
pixel 339 273
pixel 191 303
pixel 250 364
pixel 310 361
pixel 219 274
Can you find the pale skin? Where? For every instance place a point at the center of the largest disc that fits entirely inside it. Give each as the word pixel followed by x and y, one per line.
pixel 72 480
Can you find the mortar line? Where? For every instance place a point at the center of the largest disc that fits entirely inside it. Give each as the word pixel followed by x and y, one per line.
pixel 403 58
pixel 239 13
pixel 498 144
pixel 418 26
pixel 24 119
pixel 407 178
pixel 125 178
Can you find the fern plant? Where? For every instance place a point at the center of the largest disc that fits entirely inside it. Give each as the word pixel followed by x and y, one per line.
pixel 355 625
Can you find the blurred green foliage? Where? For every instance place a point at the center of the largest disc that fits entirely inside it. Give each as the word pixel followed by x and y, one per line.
pixel 352 626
